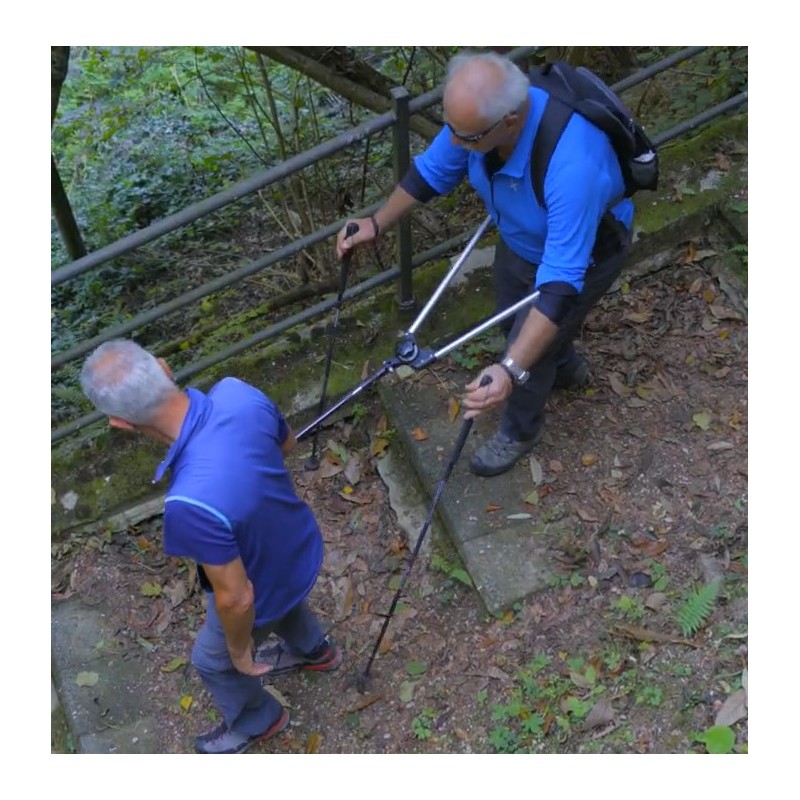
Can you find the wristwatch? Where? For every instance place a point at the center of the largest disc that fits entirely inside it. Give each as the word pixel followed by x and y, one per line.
pixel 515 372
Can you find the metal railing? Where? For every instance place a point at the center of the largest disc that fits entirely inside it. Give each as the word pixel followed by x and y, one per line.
pixel 397 119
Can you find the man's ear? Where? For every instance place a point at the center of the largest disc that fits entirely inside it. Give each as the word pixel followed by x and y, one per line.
pixel 166 369
pixel 117 422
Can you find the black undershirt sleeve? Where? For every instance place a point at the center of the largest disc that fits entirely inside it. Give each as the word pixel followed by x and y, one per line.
pixel 413 183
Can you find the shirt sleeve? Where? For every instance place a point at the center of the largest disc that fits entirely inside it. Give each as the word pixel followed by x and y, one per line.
pixel 443 165
pixel 197 531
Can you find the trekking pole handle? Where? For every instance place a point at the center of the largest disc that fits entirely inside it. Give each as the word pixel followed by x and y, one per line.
pixel 464 433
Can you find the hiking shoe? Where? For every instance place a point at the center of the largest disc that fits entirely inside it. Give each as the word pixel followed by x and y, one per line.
pixel 574 374
pixel 326 657
pixel 500 453
pixel 222 740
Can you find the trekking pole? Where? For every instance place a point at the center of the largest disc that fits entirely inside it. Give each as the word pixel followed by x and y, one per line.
pixel 363 678
pixel 352 229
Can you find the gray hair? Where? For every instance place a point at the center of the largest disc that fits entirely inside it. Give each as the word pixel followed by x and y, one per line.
pixel 123 380
pixel 494 100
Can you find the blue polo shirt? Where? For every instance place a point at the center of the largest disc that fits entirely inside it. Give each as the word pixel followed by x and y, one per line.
pixel 582 181
pixel 230 496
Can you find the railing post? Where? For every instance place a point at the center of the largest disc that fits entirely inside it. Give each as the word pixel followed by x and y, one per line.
pixel 402 161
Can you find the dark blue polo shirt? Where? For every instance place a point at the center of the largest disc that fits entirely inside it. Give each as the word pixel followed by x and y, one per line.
pixel 582 180
pixel 231 496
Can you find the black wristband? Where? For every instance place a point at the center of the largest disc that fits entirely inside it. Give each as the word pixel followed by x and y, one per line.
pixel 508 372
pixel 376 229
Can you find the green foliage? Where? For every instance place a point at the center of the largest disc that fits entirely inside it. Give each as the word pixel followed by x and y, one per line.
pixel 718 739
pixel 630 607
pixel 453 570
pixel 422 724
pixel 696 608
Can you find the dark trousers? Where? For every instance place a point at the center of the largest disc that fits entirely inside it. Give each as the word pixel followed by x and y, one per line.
pixel 245 705
pixel 514 278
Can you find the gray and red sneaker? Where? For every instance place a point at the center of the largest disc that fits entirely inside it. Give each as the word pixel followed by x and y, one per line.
pixel 327 657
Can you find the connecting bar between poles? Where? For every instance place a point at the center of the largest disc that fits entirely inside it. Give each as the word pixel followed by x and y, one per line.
pixel 423 359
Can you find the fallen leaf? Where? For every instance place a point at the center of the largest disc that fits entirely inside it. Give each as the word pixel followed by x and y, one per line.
pixel 419 434
pixel 589 458
pixel 492 507
pixel 617 385
pixel 313 741
pixel 709 295
pixel 338 450
pixel 87 678
pixel 352 470
pixel 186 702
pixel 532 498
pixel 378 446
pixel 537 473
pixel 327 468
pixel 647 635
pixel 518 516
pixel 556 466
pixel 150 589
pixel 733 709
pixel 702 419
pixel 277 695
pixel 586 515
pixel 365 703
pixel 406 693
pixel 601 714
pixel 347 490
pixel 453 407
pixel 416 667
pixel 638 316
pixel 176 663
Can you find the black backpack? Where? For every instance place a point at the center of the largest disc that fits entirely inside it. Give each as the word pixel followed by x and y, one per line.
pixel 577 89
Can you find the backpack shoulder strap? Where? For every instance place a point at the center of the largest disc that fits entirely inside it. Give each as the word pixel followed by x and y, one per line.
pixel 554 119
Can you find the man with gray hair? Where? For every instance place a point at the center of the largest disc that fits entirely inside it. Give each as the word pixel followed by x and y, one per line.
pixel 231 507
pixel 570 249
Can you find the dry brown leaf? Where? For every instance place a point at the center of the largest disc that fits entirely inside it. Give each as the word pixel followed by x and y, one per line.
pixel 556 466
pixel 419 434
pixel 327 469
pixel 587 515
pixel 453 407
pixel 709 294
pixel 647 635
pixel 638 317
pixel 313 742
pixel 493 507
pixel 589 458
pixel 618 386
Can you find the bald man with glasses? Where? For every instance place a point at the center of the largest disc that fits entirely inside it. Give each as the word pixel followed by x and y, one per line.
pixel 571 250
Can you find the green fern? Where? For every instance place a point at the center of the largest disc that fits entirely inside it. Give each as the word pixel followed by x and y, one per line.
pixel 697 608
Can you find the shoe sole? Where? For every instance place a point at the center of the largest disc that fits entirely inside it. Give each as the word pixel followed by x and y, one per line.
pixel 269 733
pixel 326 666
pixel 273 730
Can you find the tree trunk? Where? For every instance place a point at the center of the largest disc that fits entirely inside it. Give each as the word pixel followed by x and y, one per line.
pixel 65 219
pixel 342 72
pixel 59 63
pixel 62 211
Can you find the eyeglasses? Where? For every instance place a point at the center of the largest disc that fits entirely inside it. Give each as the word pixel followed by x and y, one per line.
pixel 473 138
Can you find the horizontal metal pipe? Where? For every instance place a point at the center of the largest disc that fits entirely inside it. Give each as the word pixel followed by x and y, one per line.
pixel 274 330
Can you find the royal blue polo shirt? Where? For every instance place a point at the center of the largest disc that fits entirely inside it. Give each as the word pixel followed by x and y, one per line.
pixel 582 181
pixel 230 496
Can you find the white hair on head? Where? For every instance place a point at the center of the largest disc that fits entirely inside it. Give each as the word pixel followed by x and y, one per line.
pixel 494 99
pixel 123 380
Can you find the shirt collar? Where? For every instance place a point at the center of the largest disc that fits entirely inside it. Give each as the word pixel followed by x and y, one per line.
pixel 196 415
pixel 521 155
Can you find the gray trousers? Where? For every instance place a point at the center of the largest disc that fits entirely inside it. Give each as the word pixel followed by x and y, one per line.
pixel 514 278
pixel 245 705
